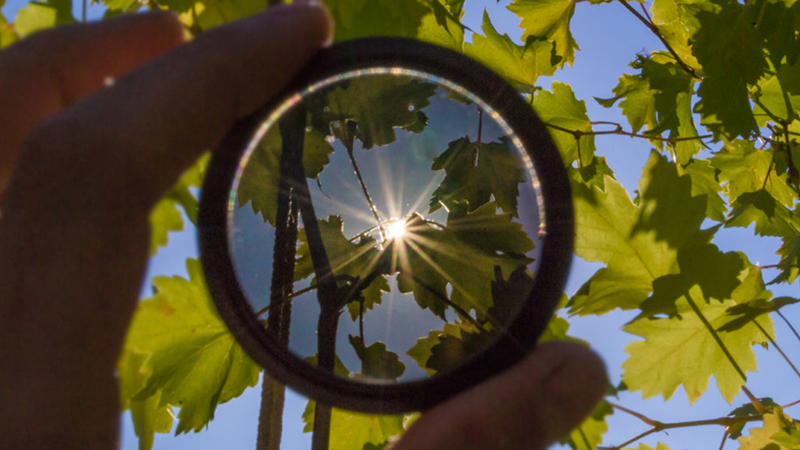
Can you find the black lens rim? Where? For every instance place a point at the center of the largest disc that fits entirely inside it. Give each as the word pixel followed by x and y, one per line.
pixel 418 395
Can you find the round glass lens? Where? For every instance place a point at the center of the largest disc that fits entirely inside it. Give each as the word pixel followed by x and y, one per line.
pixel 384 225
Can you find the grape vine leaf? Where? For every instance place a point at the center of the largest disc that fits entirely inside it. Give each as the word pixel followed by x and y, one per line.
pixel 677 22
pixel 423 349
pixel 489 230
pixel 548 20
pixel 442 28
pixel 363 18
pixel 148 417
pixel 35 17
pixel 764 437
pixel 745 410
pixel 356 259
pixel 729 49
pixel 165 216
pixel 520 65
pixel 659 446
pixel 428 259
pixel 683 351
pixel 477 172
pixel 748 312
pixel 370 108
pixel 704 183
pixel 560 108
pixel 789 264
pixel 7 34
pixel 592 174
pixel 376 361
pixel 747 169
pixel 660 97
pixel 777 97
pixel 208 14
pixel 193 362
pixel 693 262
pixel 638 243
pixel 770 217
pixel 351 430
pixel 589 434
pixel 778 26
pixel 258 184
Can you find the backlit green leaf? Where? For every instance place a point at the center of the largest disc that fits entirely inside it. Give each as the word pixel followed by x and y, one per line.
pixel 561 109
pixel 548 20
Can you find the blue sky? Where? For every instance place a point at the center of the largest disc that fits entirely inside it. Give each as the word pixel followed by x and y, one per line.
pixel 609 38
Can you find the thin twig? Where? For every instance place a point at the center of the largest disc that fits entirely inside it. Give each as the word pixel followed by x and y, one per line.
pixel 777 347
pixel 716 337
pixel 652 27
pixel 372 207
pixel 621 132
pixel 780 314
pixel 461 312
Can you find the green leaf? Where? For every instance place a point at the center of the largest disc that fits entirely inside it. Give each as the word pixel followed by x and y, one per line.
pixel 746 169
pixel 748 312
pixel 593 174
pixel 677 22
pixel 705 184
pixel 747 410
pixel 693 262
pixel 589 434
pixel 729 48
pixel 489 230
pixel 682 351
pixel 548 20
pixel 520 65
pixel 376 361
pixel 778 23
pixel 213 13
pixel 422 351
pixel 166 217
pixel 35 17
pixel 352 430
pixel 7 34
pixel 660 97
pixel 770 217
pixel 442 28
pixel 259 182
pixel 476 173
pixel 370 108
pixel 763 438
pixel 192 361
pixel 428 259
pixel 777 97
pixel 148 417
pixel 789 264
pixel 363 18
pixel 638 243
pixel 356 259
pixel 561 109
pixel 659 446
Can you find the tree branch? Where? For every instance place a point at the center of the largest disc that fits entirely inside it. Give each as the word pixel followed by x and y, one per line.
pixel 777 347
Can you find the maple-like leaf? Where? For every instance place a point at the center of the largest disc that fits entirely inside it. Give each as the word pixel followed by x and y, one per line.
pixel 548 20
pixel 683 350
pixel 184 353
pixel 476 173
pixel 520 65
pixel 728 47
pixel 560 108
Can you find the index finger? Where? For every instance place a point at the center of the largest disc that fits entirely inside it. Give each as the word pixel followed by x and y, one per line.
pixel 138 136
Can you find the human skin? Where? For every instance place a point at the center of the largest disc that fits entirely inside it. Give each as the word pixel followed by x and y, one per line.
pixel 82 165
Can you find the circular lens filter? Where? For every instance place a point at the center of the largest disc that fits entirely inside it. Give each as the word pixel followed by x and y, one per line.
pixel 393 229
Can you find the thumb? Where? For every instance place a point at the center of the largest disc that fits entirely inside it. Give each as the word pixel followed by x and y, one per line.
pixel 528 407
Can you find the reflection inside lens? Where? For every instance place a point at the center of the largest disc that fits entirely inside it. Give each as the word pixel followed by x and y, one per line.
pixel 384 225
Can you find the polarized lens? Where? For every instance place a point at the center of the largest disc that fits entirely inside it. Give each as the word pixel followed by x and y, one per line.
pixel 384 225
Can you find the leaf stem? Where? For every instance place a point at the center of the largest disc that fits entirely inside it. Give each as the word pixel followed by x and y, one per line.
pixel 618 130
pixel 716 337
pixel 780 314
pixel 777 347
pixel 652 27
pixel 372 207
pixel 461 312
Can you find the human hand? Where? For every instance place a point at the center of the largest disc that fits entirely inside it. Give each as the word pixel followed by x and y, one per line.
pixel 89 163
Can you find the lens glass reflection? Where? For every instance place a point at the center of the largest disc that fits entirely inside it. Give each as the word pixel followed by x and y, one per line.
pixel 384 224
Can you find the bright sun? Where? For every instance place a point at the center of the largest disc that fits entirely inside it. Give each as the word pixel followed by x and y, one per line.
pixel 395 229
